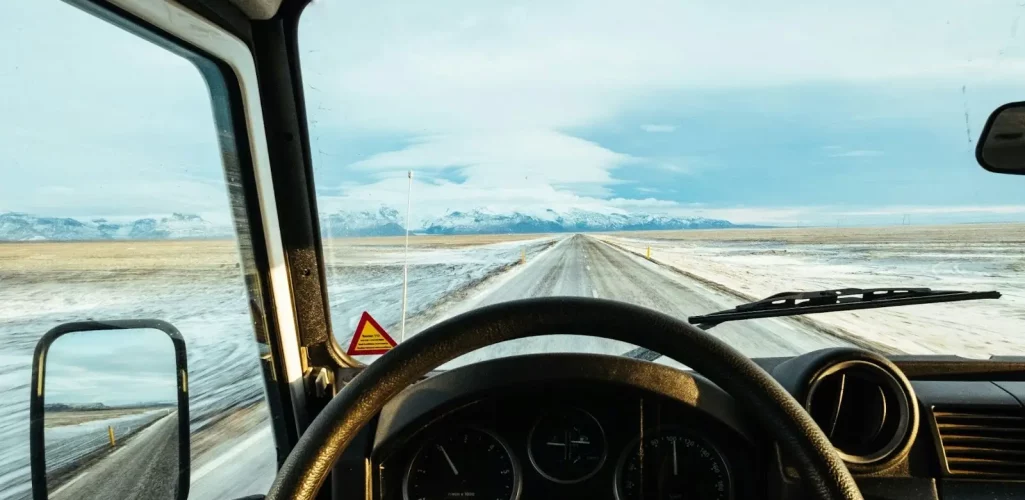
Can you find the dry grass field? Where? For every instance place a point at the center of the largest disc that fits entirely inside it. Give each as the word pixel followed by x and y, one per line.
pixel 117 255
pixel 140 256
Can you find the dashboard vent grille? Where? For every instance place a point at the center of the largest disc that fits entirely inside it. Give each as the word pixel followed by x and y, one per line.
pixel 982 442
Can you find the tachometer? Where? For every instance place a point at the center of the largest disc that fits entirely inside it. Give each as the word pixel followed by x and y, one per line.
pixel 671 465
pixel 567 445
pixel 466 463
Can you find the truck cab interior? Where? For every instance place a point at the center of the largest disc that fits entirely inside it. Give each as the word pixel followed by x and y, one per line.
pixel 846 422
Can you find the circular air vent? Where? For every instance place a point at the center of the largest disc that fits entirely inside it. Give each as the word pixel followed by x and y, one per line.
pixel 864 410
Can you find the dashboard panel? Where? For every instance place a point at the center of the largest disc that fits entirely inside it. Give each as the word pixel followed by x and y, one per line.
pixel 582 437
pixel 510 403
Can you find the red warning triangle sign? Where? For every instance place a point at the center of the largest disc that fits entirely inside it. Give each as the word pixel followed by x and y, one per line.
pixel 369 338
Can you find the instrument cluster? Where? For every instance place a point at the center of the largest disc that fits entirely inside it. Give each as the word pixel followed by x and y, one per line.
pixel 574 442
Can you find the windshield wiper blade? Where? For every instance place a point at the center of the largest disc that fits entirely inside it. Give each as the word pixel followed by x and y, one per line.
pixel 844 299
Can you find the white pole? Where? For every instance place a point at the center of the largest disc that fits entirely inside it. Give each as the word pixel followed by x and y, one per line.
pixel 405 260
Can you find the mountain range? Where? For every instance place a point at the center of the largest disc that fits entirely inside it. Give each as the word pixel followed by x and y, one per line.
pixel 385 221
pixel 15 226
pixel 551 221
pixel 389 222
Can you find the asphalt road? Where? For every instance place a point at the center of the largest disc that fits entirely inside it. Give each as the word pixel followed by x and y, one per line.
pixel 236 468
pixel 145 468
pixel 584 266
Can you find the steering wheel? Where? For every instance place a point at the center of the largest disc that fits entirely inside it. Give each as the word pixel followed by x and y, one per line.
pixel 824 475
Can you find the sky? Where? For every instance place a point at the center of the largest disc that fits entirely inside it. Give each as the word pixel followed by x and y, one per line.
pixel 113 367
pixel 794 113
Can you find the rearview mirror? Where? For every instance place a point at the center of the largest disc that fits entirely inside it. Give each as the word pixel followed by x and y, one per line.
pixel 1001 147
pixel 109 412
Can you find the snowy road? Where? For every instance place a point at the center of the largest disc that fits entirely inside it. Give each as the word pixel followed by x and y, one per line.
pixel 586 267
pixel 146 467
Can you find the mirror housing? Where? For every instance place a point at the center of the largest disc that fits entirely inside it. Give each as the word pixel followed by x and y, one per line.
pixel 114 403
pixel 1001 147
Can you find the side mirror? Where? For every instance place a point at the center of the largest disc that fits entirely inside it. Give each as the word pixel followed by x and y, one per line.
pixel 1001 147
pixel 110 412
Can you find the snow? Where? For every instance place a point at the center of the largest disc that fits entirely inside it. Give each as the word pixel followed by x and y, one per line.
pixel 370 279
pixel 209 306
pixel 15 226
pixel 977 329
pixel 486 221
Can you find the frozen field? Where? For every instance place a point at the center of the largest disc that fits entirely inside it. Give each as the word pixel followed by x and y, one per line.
pixel 197 287
pixel 757 263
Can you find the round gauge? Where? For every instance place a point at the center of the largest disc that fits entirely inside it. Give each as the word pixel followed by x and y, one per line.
pixel 567 445
pixel 671 465
pixel 466 463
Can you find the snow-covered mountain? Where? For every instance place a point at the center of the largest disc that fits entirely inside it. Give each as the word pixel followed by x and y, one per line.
pixel 15 226
pixel 551 221
pixel 384 222
pixel 389 222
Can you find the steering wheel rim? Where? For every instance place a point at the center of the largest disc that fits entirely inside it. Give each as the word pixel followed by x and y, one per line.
pixel 823 473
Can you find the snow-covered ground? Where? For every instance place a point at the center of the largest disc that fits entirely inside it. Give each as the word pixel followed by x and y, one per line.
pixel 209 308
pixel 369 278
pixel 204 297
pixel 763 265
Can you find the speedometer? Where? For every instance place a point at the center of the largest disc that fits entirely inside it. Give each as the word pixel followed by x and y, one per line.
pixel 671 465
pixel 466 463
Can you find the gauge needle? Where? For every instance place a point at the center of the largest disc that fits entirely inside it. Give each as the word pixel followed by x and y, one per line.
pixel 675 470
pixel 448 459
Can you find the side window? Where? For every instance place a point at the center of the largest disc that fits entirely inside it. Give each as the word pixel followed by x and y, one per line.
pixel 115 204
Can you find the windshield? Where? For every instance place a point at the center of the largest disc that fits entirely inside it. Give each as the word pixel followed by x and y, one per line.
pixel 686 157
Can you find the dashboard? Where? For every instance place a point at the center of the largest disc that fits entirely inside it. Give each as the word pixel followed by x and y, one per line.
pixel 606 427
pixel 581 436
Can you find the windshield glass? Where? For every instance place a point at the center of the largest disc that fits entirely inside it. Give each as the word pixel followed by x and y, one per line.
pixel 686 157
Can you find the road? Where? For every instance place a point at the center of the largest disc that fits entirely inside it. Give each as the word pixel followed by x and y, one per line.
pixel 146 467
pixel 586 267
pixel 236 467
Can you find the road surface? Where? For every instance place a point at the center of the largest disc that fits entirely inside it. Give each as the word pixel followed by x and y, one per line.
pixel 236 468
pixel 145 468
pixel 586 267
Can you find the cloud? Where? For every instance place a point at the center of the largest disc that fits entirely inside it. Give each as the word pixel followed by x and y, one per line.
pixel 479 85
pixel 856 153
pixel 658 128
pixel 104 123
pixel 502 94
pixel 431 200
pixel 568 64
pixel 510 158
